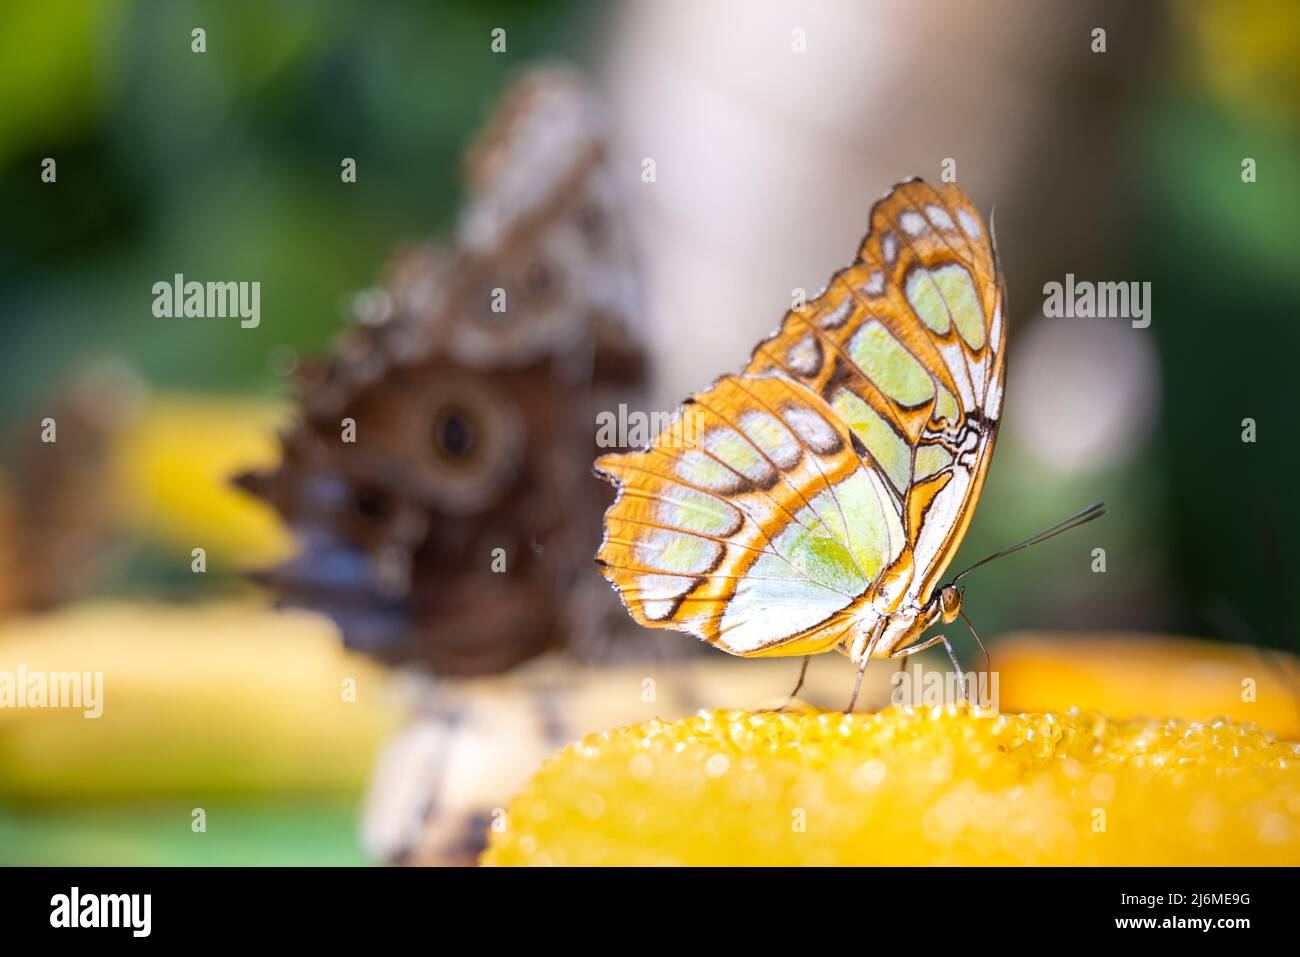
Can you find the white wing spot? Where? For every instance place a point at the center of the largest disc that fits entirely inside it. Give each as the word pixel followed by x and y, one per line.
pixel 939 216
pixel 678 552
pixel 969 224
pixel 772 437
pixel 805 356
pixel 698 469
pixel 692 511
pixel 839 315
pixel 659 593
pixel 738 453
pixel 875 284
pixel 812 428
pixel 913 223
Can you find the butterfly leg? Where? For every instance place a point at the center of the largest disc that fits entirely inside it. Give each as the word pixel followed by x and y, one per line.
pixel 803 673
pixel 952 655
pixel 862 664
pixel 790 698
pixel 913 649
pixel 857 685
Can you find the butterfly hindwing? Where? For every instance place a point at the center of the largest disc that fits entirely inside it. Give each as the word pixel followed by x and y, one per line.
pixel 750 521
pixel 846 458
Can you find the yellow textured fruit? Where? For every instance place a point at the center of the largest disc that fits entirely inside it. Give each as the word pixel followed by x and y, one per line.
pixel 910 787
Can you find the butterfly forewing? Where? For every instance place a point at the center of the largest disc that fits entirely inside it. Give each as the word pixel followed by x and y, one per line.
pixel 833 479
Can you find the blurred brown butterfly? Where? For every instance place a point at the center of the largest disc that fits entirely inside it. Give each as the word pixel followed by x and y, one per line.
pixel 61 532
pixel 455 523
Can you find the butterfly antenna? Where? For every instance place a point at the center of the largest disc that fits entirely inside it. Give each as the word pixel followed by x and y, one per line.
pixel 988 662
pixel 1094 511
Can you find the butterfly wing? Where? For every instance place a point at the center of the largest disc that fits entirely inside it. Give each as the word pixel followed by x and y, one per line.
pixel 545 263
pixel 453 526
pixel 833 479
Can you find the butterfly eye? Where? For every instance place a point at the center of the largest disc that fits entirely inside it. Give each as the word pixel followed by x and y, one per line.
pixel 950 602
pixel 453 435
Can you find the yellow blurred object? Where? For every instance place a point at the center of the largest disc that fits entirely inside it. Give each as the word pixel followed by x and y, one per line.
pixel 215 699
pixel 1248 53
pixel 937 787
pixel 172 469
pixel 1132 675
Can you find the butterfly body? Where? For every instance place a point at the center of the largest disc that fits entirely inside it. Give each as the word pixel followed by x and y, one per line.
pixel 813 501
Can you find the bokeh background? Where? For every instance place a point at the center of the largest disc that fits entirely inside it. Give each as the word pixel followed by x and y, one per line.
pixel 1122 165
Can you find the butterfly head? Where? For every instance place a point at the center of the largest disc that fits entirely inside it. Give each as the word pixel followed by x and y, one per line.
pixel 950 597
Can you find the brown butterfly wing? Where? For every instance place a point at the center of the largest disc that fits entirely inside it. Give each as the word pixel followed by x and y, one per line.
pixel 453 529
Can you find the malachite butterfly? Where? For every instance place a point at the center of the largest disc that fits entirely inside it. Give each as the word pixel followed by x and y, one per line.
pixel 813 501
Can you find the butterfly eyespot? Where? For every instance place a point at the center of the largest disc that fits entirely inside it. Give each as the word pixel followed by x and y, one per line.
pixel 453 435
